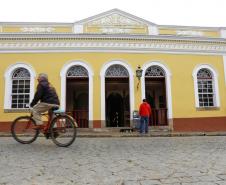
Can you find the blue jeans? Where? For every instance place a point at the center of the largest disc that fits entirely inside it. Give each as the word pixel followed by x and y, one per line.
pixel 144 124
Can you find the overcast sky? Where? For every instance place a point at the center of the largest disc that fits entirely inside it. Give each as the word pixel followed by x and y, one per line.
pixel 162 12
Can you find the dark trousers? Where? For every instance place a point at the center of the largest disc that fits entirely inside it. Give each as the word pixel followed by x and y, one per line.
pixel 144 124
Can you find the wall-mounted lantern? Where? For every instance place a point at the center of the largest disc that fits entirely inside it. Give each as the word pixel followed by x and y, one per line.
pixel 138 74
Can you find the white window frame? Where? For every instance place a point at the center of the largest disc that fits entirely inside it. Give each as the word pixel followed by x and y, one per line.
pixel 131 85
pixel 63 75
pixel 8 83
pixel 168 77
pixel 16 90
pixel 215 85
pixel 224 62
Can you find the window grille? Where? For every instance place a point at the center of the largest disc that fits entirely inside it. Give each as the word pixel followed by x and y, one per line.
pixel 77 71
pixel 20 88
pixel 205 88
pixel 116 71
pixel 154 71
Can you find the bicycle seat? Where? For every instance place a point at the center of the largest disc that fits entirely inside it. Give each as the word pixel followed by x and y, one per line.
pixel 54 108
pixel 58 111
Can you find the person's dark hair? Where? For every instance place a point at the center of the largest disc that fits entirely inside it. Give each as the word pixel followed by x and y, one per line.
pixel 144 100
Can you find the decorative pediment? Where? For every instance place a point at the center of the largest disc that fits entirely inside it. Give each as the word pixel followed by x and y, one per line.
pixel 115 16
pixel 115 21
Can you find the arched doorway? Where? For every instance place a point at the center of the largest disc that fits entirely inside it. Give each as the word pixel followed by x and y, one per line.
pixel 117 106
pixel 115 113
pixel 77 94
pixel 155 93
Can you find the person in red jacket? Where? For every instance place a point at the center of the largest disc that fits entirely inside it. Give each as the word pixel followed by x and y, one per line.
pixel 145 113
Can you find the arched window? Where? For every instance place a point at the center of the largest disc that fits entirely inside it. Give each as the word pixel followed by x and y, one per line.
pixel 116 71
pixel 77 71
pixel 20 88
pixel 154 71
pixel 206 95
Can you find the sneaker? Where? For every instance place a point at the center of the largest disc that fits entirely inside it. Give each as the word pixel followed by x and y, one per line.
pixel 48 135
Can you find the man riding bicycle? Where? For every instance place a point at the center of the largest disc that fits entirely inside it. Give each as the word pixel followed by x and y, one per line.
pixel 45 98
pixel 61 129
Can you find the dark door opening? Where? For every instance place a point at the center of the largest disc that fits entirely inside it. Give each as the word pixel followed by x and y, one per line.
pixel 115 110
pixel 156 97
pixel 77 100
pixel 117 102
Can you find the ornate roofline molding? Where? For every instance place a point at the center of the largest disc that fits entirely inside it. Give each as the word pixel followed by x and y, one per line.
pixel 201 28
pixel 77 26
pixel 35 24
pixel 70 36
pixel 111 43
pixel 117 45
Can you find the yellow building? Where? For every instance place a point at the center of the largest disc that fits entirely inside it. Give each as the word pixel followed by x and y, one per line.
pixel 93 64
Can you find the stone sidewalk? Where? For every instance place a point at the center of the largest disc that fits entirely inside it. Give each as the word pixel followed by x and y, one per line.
pixel 115 161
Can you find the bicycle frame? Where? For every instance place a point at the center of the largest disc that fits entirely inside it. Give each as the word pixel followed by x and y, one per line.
pixel 49 117
pixel 45 126
pixel 57 127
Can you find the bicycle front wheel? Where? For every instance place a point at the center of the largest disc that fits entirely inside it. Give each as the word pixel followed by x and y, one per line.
pixel 63 131
pixel 23 131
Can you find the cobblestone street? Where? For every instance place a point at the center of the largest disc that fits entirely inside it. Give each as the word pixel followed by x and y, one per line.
pixel 115 161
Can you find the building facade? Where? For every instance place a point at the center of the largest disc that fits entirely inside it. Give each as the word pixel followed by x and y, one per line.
pixel 93 64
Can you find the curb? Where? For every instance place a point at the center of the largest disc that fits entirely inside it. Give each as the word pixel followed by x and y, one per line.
pixel 151 134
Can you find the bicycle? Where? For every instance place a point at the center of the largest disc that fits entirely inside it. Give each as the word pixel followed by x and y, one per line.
pixel 62 129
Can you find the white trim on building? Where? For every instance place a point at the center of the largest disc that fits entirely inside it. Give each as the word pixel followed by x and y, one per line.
pixel 8 82
pixel 145 45
pixel 168 84
pixel 215 84
pixel 63 75
pixel 78 28
pixel 153 30
pixel 131 85
pixel 224 62
pixel 223 33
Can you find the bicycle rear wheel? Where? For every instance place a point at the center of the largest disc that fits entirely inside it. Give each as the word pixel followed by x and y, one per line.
pixel 23 131
pixel 63 131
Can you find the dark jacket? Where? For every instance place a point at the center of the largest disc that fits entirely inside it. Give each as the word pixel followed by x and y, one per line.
pixel 45 93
